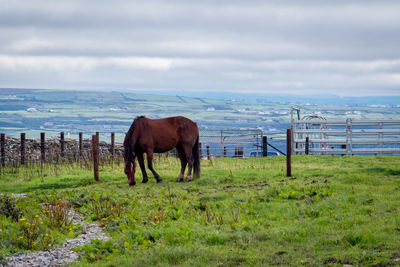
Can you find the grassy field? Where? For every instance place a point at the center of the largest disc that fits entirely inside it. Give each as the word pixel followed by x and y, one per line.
pixel 332 211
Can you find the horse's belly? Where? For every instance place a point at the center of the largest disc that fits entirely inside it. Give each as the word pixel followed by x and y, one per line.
pixel 164 146
pixel 161 150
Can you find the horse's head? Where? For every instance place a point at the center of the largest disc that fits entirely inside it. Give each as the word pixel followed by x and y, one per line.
pixel 130 167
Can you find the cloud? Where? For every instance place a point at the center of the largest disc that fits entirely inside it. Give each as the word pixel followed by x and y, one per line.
pixel 260 46
pixel 80 64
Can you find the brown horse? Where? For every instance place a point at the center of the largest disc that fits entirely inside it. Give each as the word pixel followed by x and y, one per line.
pixel 157 136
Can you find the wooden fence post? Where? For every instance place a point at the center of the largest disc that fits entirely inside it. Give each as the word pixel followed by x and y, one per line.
pixel 289 152
pixel 42 148
pixel 95 152
pixel 98 141
pixel 22 148
pixel 241 152
pixel 80 145
pixel 112 146
pixel 3 154
pixel 265 146
pixel 62 144
pixel 307 148
pixel 208 153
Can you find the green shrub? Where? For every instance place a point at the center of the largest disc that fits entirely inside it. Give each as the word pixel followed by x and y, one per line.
pixel 97 250
pixel 9 209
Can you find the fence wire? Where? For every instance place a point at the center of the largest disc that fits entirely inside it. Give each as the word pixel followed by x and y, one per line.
pixel 213 143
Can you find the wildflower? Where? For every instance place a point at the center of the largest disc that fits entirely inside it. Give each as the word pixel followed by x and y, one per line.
pixel 36 216
pixel 22 219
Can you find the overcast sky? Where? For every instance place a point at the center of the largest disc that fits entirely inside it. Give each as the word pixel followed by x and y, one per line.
pixel 348 48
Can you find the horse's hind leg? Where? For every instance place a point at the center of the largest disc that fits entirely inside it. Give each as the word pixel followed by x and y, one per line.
pixel 189 159
pixel 150 166
pixel 182 157
pixel 142 167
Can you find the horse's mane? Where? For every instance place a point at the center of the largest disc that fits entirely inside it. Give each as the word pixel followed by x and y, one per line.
pixel 128 146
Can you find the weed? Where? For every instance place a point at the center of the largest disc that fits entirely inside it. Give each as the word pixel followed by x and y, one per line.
pixel 310 213
pixel 57 213
pixel 353 239
pixel 215 239
pixel 156 217
pixel 104 208
pixel 33 233
pixel 96 250
pixel 9 209
pixel 173 212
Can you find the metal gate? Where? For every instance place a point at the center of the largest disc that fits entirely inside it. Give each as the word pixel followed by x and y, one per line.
pixel 231 143
pixel 346 137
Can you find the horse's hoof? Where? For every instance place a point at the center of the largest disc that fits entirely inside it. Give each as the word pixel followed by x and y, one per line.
pixel 159 181
pixel 188 179
pixel 131 184
pixel 145 181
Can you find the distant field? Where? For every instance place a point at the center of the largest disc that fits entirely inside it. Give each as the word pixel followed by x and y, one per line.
pixel 35 111
pixel 333 211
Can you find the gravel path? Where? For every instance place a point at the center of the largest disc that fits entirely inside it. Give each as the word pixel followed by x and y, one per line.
pixel 62 255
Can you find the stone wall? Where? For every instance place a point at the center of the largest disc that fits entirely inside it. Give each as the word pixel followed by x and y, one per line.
pixel 53 149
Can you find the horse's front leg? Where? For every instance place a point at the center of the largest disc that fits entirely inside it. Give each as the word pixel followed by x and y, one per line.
pixel 150 166
pixel 142 167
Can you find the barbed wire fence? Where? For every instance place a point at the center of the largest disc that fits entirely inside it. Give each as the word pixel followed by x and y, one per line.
pixel 213 142
pixel 39 156
pixel 36 157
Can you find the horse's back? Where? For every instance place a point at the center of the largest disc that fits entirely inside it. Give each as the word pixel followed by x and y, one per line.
pixel 168 132
pixel 174 123
pixel 185 128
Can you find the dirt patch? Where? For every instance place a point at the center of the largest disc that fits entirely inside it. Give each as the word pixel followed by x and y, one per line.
pixel 336 261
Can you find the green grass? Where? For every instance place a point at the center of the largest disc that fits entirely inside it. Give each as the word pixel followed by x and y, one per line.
pixel 332 211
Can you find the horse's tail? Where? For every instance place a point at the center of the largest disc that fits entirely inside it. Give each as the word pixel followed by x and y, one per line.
pixel 196 159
